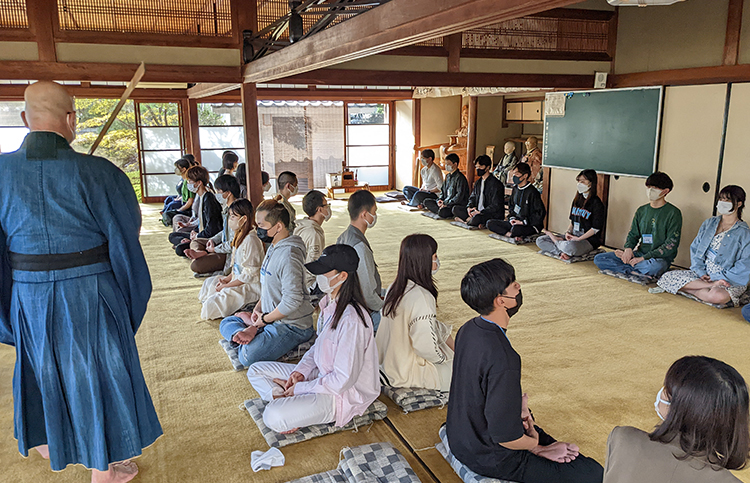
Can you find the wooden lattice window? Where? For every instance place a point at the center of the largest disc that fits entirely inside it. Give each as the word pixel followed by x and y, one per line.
pixel 269 11
pixel 13 14
pixel 211 18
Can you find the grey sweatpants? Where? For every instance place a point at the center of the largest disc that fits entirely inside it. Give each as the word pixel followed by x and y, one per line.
pixel 569 247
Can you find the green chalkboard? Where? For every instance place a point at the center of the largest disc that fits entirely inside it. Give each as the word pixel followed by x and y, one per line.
pixel 612 131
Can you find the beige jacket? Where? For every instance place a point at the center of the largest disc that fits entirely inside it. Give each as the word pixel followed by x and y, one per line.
pixel 411 342
pixel 633 458
pixel 314 238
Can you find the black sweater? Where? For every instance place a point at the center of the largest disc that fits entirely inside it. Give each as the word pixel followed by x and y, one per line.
pixel 494 197
pixel 592 215
pixel 213 222
pixel 455 189
pixel 526 205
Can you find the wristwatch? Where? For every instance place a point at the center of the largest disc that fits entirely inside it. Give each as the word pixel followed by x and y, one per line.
pixel 263 319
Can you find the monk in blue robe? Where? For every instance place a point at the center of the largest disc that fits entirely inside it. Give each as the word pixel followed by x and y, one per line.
pixel 74 286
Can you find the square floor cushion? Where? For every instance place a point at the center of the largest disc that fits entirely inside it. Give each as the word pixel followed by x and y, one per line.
pixel 583 258
pixel 463 225
pixel 512 240
pixel 631 277
pixel 255 408
pixel 432 215
pixel 232 348
pixel 412 399
pixel 461 470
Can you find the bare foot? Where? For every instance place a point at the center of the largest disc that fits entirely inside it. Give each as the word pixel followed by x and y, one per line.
pixel 559 452
pixel 117 473
pixel 403 203
pixel 564 256
pixel 194 254
pixel 290 431
pixel 458 219
pixel 245 336
pixel 43 450
pixel 508 234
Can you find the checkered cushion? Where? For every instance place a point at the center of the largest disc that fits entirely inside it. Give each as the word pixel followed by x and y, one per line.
pixel 412 399
pixel 408 208
pixel 432 215
pixel 377 462
pixel 463 225
pixel 231 348
pixel 632 277
pixel 255 407
pixel 461 470
pixel 727 305
pixel 510 239
pixel 583 258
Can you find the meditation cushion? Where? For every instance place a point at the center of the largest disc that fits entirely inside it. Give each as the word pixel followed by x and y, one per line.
pixel 367 463
pixel 635 278
pixel 463 225
pixel 510 239
pixel 583 258
pixel 408 208
pixel 231 348
pixel 744 300
pixel 412 399
pixel 432 215
pixel 461 470
pixel 255 408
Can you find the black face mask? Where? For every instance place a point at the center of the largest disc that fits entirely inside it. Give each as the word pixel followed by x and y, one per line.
pixel 519 301
pixel 481 171
pixel 263 235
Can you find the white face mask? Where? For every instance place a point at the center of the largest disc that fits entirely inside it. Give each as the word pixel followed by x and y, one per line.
pixel 177 171
pixel 660 400
pixel 328 212
pixel 220 198
pixel 266 187
pixel 324 284
pixel 294 191
pixel 653 193
pixel 436 264
pixel 583 188
pixel 374 220
pixel 450 168
pixel 724 208
pixel 191 187
pixel 423 161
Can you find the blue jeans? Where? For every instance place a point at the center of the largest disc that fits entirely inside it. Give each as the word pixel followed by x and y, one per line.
pixel 270 343
pixel 375 316
pixel 746 312
pixel 653 267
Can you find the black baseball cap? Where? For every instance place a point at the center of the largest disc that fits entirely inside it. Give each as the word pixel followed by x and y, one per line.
pixel 341 258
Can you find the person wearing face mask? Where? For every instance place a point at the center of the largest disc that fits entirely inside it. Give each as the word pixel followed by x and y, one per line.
pixel 486 201
pixel 221 296
pixel 654 236
pixel 363 214
pixel 703 433
pixel 526 211
pixel 266 180
pixel 181 204
pixel 288 187
pixel 210 255
pixel 229 163
pixel 533 158
pixel 507 164
pixel 337 379
pixel 310 229
pixel 587 216
pixel 489 426
pixel 432 181
pixel 282 319
pixel 719 255
pixel 209 220
pixel 74 286
pixel 414 348
pixel 455 191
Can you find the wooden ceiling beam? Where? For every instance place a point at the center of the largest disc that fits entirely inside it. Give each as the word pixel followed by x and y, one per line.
pixel 202 90
pixel 397 23
pixel 438 79
pixel 94 71
pixel 734 32
pixel 681 77
pixel 15 92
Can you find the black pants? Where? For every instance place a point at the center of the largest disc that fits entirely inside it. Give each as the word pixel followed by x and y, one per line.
pixel 502 227
pixel 462 213
pixel 444 212
pixel 175 238
pixel 416 197
pixel 536 469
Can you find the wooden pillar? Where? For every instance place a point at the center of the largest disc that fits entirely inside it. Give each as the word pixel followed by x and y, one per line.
pixel 452 44
pixel 416 119
pixel 471 141
pixel 546 179
pixel 392 145
pixel 249 94
pixel 602 191
pixel 192 131
pixel 43 22
pixel 734 29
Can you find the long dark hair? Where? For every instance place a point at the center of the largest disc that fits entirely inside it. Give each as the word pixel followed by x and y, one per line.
pixel 415 264
pixel 244 208
pixel 708 412
pixel 734 194
pixel 580 201
pixel 350 293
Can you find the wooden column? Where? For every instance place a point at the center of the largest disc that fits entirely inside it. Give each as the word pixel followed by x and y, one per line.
pixel 43 21
pixel 192 128
pixel 392 145
pixel 546 175
pixel 602 190
pixel 452 44
pixel 471 141
pixel 249 94
pixel 734 28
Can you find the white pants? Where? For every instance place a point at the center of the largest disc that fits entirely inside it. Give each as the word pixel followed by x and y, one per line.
pixel 287 413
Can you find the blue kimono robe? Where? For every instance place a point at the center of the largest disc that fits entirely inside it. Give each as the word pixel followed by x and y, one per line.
pixel 77 384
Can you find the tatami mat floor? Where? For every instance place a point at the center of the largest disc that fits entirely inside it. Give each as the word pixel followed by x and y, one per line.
pixel 595 350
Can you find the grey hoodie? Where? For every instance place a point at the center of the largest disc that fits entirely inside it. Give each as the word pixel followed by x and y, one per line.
pixel 282 281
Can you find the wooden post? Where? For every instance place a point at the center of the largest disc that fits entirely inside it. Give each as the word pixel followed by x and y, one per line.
pixel 602 190
pixel 249 94
pixel 392 145
pixel 452 44
pixel 546 175
pixel 471 141
pixel 192 128
pixel 43 21
pixel 734 29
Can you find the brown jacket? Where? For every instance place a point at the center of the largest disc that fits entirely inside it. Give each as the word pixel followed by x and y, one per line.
pixel 633 458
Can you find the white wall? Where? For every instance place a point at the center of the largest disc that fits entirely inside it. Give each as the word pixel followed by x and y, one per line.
pixel 404 143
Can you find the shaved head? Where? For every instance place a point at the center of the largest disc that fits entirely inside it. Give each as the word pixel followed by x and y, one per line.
pixel 49 107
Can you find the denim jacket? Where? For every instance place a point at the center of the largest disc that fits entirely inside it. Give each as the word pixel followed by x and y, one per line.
pixel 733 255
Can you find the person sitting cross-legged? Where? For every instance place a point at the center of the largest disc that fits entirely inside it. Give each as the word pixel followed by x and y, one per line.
pixel 337 379
pixel 720 255
pixel 432 181
pixel 486 201
pixel 455 190
pixel 654 234
pixel 526 210
pixel 489 426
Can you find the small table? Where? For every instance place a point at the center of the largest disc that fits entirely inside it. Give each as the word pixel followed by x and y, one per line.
pixel 347 189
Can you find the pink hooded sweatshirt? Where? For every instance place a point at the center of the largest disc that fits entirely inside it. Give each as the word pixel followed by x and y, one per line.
pixel 347 362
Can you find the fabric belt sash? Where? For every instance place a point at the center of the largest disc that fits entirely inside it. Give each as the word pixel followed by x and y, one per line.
pixel 58 261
